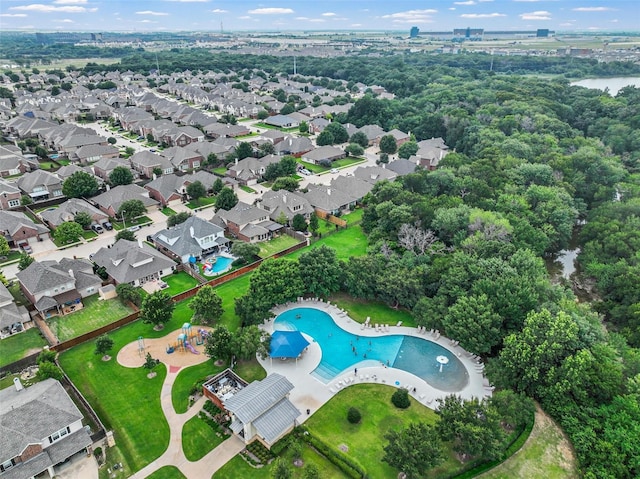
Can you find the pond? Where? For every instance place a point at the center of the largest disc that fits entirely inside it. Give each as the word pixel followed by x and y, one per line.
pixel 614 85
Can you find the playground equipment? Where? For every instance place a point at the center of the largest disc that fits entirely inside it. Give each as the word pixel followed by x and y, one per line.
pixel 183 343
pixel 140 346
pixel 202 336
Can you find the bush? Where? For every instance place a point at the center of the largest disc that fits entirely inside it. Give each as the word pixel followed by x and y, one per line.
pixel 400 399
pixel 46 356
pixel 354 416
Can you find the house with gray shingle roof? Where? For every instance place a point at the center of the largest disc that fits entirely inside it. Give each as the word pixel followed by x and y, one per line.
pixel 144 162
pixel 40 427
pixel 247 223
pixel 92 153
pixel 430 152
pixel 195 237
pixel 12 317
pixel 110 200
pixel 67 211
pixel 262 410
pixel 373 174
pixel 18 228
pixel 105 166
pixel 283 202
pixel 352 186
pixel 296 146
pixel 9 195
pixel 327 200
pixel 323 155
pixel 40 185
pixel 57 288
pixel 133 263
pixel 402 167
pixel 249 170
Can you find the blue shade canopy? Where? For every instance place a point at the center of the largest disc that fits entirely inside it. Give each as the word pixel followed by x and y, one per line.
pixel 192 259
pixel 287 344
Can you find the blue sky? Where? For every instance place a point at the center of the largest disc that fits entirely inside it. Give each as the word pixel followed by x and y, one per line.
pixel 206 15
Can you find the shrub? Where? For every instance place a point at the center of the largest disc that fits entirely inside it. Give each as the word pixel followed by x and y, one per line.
pixel 46 356
pixel 354 416
pixel 400 399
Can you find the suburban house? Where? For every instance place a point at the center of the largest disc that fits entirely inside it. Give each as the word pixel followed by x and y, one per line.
pixel 352 186
pixel 296 146
pixel 40 185
pixel 262 410
pixel 12 317
pixel 182 159
pixel 402 167
pixel 282 121
pixel 172 188
pixel 12 162
pixel 92 153
pixel 19 229
pixel 144 162
pixel 247 223
pixel 317 125
pixel 72 143
pixel 373 174
pixel 195 238
pixel 430 152
pixel 41 428
pixel 327 200
pixel 373 133
pixel 249 170
pixel 400 136
pixel 218 130
pixel 57 288
pixel 284 203
pixel 10 195
pixel 133 263
pixel 68 170
pixel 67 211
pixel 110 200
pixel 105 166
pixel 274 136
pixel 323 155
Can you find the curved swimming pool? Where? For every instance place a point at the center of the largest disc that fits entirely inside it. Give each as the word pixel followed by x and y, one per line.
pixel 342 350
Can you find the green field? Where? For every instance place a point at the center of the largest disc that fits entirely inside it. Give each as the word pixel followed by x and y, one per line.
pixel 95 314
pixel 17 346
pixel 179 282
pixel 198 438
pixel 277 244
pixel 167 472
pixel 186 380
pixel 347 242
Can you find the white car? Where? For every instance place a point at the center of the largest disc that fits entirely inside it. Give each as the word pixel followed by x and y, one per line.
pixel 334 170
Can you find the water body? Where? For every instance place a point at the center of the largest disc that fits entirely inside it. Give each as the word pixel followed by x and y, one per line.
pixel 614 84
pixel 563 264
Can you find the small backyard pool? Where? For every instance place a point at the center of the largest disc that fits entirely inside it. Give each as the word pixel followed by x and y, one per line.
pixel 217 264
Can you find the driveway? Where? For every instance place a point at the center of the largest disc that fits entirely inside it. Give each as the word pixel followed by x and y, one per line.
pixel 80 467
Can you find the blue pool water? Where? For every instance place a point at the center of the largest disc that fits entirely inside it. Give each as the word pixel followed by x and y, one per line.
pixel 222 264
pixel 342 350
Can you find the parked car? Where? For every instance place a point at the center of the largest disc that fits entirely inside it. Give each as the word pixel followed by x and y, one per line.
pixel 334 170
pixel 97 228
pixel 26 247
pixel 107 225
pixel 133 228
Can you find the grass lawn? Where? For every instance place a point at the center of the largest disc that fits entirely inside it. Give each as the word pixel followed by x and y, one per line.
pixel 220 171
pixel 271 127
pixel 140 220
pixel 250 370
pixel 354 216
pixel 206 201
pixel 12 255
pixel 267 248
pixel 18 295
pixel 547 454
pixel 124 398
pixel 186 380
pixel 19 345
pixel 60 244
pixel 348 161
pixel 167 211
pixel 229 292
pixel 378 312
pixel 167 472
pixel 88 234
pixel 179 282
pixel 312 167
pixel 365 440
pixel 198 438
pixel 238 468
pixel 247 189
pixel 7 381
pixel 47 165
pixel 63 162
pixel 347 242
pixel 95 314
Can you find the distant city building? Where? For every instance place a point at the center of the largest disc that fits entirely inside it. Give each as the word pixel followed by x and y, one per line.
pixel 468 33
pixel 414 32
pixel 542 33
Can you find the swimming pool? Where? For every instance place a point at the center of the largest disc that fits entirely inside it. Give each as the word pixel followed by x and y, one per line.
pixel 222 264
pixel 342 350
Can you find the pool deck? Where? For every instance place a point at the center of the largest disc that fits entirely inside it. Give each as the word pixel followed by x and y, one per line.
pixel 310 394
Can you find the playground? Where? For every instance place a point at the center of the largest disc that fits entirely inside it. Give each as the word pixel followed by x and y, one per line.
pixel 179 348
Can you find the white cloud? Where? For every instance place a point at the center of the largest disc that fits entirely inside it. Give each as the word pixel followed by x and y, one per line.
pixel 187 1
pixel 593 9
pixel 151 12
pixel 567 24
pixel 537 15
pixel 70 2
pixel 328 14
pixel 40 8
pixel 482 15
pixel 485 1
pixel 412 16
pixel 270 11
pixel 219 10
pixel 302 19
pixel 13 15
pixel 147 21
pixel 317 20
pixel 66 20
pixel 452 8
pixel 355 25
pixel 468 2
pixel 615 20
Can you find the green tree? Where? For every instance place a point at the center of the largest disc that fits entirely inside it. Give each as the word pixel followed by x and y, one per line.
pixel 178 218
pixel 321 270
pixel 266 149
pixel 196 190
pixel 354 416
pixel 249 341
pixel 125 235
pixel 514 409
pixel 263 115
pixel 127 293
pixel 354 149
pixel 407 149
pixel 226 199
pixel 311 472
pixel 111 140
pixel 150 137
pixel 103 345
pixel 206 305
pixel 325 138
pixel 246 252
pixel 157 309
pixel 338 131
pixel 281 469
pixel 472 321
pixel 219 344
pixel 131 209
pixel 4 246
pixel 388 144
pixel 80 184
pixel 303 127
pixel 360 138
pixel 25 200
pixel 285 183
pixel 244 150
pixel 25 261
pixel 48 370
pixel 313 223
pixel 68 232
pixel 42 152
pixel 3 278
pixel 400 398
pixel 217 186
pixel 299 223
pixel 121 175
pixel 414 450
pixel 83 219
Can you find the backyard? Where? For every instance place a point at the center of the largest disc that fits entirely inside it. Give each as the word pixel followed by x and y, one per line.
pixel 17 346
pixel 95 314
pixel 277 244
pixel 179 283
pixel 347 242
